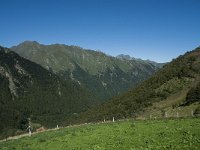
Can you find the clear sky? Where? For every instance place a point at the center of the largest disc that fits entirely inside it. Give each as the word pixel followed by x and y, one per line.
pixel 149 29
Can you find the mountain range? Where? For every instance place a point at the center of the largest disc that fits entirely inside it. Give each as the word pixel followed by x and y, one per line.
pixel 173 91
pixel 59 81
pixel 60 84
pixel 105 76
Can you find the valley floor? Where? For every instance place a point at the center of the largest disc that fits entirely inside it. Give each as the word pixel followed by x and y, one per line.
pixel 123 135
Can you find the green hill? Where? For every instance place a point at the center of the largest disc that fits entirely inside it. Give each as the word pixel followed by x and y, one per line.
pixel 30 91
pixel 173 89
pixel 103 75
pixel 167 134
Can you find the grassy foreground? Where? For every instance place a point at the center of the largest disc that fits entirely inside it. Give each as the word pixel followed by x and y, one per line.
pixel 124 135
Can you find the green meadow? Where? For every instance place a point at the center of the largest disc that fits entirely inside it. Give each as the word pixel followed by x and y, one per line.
pixel 163 134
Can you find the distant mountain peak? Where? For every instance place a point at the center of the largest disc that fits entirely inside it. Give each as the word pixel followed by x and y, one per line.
pixel 123 56
pixel 128 57
pixel 30 42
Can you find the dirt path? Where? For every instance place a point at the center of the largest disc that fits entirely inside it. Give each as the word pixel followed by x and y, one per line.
pixel 24 135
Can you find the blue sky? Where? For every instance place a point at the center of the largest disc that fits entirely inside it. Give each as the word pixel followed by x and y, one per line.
pixel 159 30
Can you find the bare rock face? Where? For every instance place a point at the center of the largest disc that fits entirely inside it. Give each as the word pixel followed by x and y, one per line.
pixel 11 70
pixel 21 70
pixel 11 81
pixel 12 86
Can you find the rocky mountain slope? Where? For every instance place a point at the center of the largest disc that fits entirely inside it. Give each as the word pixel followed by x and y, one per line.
pixel 29 90
pixel 103 75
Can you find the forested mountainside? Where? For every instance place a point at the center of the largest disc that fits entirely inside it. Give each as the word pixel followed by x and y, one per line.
pixel 172 89
pixel 105 76
pixel 27 90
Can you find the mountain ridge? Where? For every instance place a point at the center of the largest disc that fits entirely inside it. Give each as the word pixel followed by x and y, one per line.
pixel 128 57
pixel 73 62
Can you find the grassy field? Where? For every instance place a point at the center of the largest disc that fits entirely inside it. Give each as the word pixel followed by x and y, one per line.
pixel 123 135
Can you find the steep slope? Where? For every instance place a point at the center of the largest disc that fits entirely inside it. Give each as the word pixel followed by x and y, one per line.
pixel 173 89
pixel 103 75
pixel 28 90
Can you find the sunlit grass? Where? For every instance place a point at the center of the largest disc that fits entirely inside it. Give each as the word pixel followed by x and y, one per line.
pixel 147 134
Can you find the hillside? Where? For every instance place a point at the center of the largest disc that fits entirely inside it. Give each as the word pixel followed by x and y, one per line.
pixel 103 75
pixel 173 89
pixel 176 134
pixel 28 90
